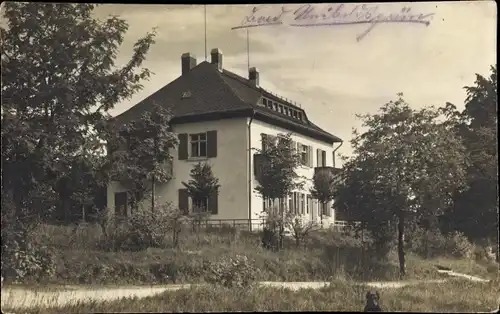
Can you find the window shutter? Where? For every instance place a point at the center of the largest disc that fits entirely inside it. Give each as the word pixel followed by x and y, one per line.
pixel 183 146
pixel 318 157
pixel 323 158
pixel 184 201
pixel 213 204
pixel 263 137
pixel 257 165
pixel 311 154
pixel 211 144
pixel 298 149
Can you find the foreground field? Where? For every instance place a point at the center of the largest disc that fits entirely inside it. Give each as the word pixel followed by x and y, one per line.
pixel 82 257
pixel 452 296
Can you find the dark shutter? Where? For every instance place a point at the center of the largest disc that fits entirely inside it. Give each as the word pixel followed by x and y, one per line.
pixel 323 158
pixel 264 141
pixel 213 204
pixel 212 144
pixel 183 146
pixel 318 157
pixel 184 201
pixel 257 165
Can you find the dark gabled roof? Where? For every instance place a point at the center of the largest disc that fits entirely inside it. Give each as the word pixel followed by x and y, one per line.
pixel 211 94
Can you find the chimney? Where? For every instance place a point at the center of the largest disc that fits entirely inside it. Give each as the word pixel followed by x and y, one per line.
pixel 216 55
pixel 253 76
pixel 188 61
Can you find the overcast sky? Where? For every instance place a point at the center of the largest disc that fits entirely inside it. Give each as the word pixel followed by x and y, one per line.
pixel 325 69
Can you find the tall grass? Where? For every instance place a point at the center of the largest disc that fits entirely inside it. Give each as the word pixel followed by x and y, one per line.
pixel 455 296
pixel 81 259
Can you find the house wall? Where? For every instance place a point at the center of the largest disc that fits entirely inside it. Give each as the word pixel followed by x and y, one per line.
pixel 259 127
pixel 230 167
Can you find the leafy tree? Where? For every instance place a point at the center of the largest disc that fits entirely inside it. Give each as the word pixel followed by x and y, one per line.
pixel 202 186
pixel 323 188
pixel 475 211
pixel 278 177
pixel 140 153
pixel 405 169
pixel 299 227
pixel 59 79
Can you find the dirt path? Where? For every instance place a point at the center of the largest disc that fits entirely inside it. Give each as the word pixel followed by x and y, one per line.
pixel 21 298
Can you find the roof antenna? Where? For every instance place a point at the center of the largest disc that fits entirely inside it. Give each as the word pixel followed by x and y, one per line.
pixel 205 32
pixel 248 52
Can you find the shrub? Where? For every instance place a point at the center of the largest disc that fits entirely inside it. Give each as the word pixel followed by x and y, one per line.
pixel 458 245
pixel 21 260
pixel 427 243
pixel 232 272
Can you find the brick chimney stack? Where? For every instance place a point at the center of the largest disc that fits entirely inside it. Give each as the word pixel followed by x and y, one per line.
pixel 188 61
pixel 253 76
pixel 216 55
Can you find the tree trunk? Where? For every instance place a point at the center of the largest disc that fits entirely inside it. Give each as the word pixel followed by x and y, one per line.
pixel 401 252
pixel 152 195
pixel 281 230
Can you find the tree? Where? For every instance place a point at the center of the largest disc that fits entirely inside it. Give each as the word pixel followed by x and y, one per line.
pixel 277 175
pixel 140 153
pixel 59 80
pixel 299 227
pixel 405 169
pixel 475 211
pixel 203 186
pixel 323 188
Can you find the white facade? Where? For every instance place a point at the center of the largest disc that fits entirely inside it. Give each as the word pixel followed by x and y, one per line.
pixel 234 168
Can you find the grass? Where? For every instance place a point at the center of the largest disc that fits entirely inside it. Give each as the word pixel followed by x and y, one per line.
pixel 453 296
pixel 80 260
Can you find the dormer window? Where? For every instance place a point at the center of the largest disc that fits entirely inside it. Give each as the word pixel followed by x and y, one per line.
pixel 295 114
pixel 275 107
pixel 281 109
pixel 300 116
pixel 264 101
pixel 287 112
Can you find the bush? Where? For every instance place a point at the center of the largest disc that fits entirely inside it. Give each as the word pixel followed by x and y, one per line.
pixel 21 260
pixel 429 243
pixel 458 245
pixel 232 272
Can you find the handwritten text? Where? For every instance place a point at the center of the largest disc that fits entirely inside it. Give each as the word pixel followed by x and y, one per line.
pixel 311 15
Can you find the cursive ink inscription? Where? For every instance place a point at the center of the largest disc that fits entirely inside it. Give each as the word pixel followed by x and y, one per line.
pixel 257 18
pixel 310 15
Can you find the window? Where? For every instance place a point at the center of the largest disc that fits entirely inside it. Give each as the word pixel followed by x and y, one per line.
pixel 309 204
pixel 300 116
pixel 121 204
pixel 275 106
pixel 264 101
pixel 200 205
pixel 302 204
pixel 324 209
pixel 198 145
pixel 295 114
pixel 321 158
pixel 281 108
pixel 287 112
pixel 304 154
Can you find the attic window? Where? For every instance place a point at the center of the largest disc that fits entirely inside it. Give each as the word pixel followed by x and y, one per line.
pixel 287 112
pixel 295 114
pixel 186 95
pixel 264 101
pixel 281 108
pixel 300 116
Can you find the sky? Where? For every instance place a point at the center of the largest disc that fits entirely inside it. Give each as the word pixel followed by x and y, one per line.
pixel 326 70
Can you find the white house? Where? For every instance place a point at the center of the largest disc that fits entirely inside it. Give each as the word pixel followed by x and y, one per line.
pixel 220 118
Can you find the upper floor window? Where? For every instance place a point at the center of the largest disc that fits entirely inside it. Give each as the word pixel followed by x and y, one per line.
pixel 304 154
pixel 198 145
